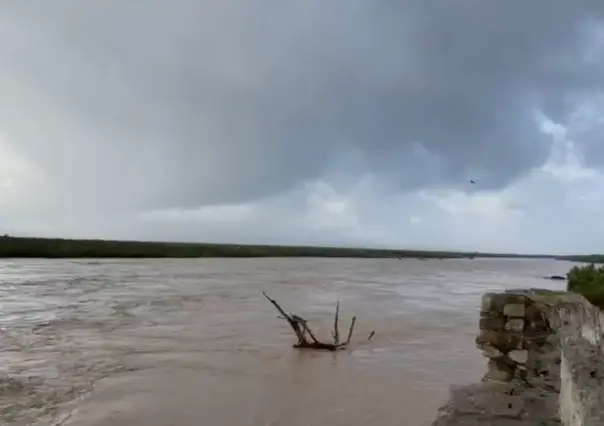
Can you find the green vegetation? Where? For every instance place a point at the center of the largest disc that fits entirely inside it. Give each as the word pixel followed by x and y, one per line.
pixel 65 248
pixel 588 280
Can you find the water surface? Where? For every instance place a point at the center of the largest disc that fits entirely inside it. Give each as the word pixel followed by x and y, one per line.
pixel 193 342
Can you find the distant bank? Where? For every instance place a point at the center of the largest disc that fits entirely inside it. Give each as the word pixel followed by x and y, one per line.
pixel 14 247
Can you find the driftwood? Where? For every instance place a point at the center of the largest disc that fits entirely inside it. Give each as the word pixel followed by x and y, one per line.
pixel 306 338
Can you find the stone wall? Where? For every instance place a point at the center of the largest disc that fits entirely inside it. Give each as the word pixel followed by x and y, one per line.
pixel 545 363
pixel 516 336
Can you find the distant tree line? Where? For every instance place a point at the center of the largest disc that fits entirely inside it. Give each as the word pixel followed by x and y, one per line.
pixel 67 248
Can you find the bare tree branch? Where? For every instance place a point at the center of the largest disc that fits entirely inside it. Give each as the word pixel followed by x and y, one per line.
pixel 301 329
pixel 336 331
pixel 354 319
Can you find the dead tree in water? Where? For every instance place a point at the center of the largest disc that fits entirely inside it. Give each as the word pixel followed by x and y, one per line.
pixel 306 338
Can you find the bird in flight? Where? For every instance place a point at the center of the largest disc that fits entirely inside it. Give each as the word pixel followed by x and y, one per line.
pixel 472 182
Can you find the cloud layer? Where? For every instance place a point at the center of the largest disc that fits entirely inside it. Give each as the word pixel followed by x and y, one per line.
pixel 341 122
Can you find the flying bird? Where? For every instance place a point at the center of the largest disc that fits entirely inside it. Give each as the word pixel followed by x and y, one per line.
pixel 472 182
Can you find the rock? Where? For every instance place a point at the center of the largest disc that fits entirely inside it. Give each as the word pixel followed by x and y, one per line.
pixel 491 352
pixel 514 310
pixel 498 404
pixel 509 406
pixel 487 302
pixel 516 325
pixel 553 340
pixel 488 337
pixel 534 313
pixel 494 302
pixel 530 291
pixel 503 341
pixel 497 376
pixel 556 278
pixel 537 326
pixel 492 323
pixel 519 356
pixel 539 342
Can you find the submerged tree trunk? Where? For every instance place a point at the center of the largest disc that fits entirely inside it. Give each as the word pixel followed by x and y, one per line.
pixel 306 338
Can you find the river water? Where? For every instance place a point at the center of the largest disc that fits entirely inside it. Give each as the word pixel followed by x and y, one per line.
pixel 193 342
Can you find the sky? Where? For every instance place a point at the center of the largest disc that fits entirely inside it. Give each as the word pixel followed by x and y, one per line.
pixel 338 122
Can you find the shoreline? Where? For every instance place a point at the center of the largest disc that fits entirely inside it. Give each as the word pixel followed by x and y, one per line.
pixel 60 248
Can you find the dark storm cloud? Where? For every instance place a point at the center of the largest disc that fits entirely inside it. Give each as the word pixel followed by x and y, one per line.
pixel 183 103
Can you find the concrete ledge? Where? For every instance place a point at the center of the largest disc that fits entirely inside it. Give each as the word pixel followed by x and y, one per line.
pixel 498 404
pixel 582 390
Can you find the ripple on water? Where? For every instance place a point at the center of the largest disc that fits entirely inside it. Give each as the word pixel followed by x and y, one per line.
pixel 67 325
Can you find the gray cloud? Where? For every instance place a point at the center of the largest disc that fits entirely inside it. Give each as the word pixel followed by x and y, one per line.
pixel 137 105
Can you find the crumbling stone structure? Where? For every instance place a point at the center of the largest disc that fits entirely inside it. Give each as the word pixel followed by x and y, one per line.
pixel 516 336
pixel 545 363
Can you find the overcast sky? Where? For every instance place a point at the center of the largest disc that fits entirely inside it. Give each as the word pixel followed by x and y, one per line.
pixel 340 122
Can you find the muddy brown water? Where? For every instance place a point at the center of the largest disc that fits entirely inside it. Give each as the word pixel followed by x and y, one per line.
pixel 193 342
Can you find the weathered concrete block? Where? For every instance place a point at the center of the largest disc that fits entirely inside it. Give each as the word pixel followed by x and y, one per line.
pixel 516 325
pixel 514 310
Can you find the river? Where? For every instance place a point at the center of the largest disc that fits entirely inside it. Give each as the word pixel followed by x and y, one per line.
pixel 193 342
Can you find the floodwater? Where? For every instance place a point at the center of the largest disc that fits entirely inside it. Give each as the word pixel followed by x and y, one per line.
pixel 193 342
